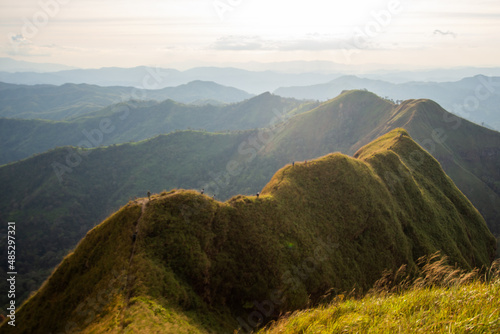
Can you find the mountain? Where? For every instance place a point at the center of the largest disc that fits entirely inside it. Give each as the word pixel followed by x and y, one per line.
pixel 13 66
pixel 61 194
pixel 183 262
pixel 469 154
pixel 142 77
pixel 197 90
pixel 430 75
pixel 72 100
pixel 139 120
pixel 473 98
pixel 150 78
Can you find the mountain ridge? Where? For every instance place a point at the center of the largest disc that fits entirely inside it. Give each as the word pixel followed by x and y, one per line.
pixel 185 256
pixel 224 164
pixel 473 98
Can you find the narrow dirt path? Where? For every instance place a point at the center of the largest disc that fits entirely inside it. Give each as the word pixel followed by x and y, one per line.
pixel 128 285
pixel 142 202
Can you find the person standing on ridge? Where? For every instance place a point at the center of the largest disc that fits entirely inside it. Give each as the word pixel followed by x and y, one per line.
pixel 149 195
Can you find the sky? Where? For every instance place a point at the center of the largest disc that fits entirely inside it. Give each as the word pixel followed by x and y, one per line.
pixel 188 33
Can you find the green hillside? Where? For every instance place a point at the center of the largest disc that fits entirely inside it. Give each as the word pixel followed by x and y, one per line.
pixel 451 95
pixel 55 215
pixel 56 212
pixel 469 154
pixel 198 265
pixel 139 120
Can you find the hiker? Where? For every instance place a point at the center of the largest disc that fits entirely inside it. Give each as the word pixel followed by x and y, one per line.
pixel 258 193
pixel 202 191
pixel 213 197
pixel 149 195
pixel 293 163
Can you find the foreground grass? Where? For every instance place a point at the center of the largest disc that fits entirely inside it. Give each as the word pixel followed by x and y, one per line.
pixel 442 300
pixel 474 308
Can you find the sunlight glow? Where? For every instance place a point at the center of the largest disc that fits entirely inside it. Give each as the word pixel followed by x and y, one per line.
pixel 92 33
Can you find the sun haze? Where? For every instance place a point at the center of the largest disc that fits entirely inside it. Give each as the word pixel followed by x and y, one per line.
pixel 188 33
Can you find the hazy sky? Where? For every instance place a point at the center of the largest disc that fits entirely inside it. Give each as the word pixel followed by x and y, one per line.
pixel 188 33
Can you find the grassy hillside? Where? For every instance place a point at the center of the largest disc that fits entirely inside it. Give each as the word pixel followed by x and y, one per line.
pixel 442 300
pixel 135 121
pixel 58 214
pixel 199 265
pixel 453 96
pixel 469 154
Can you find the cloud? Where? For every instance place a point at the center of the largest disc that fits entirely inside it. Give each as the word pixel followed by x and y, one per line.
pixel 19 38
pixel 310 42
pixel 241 43
pixel 444 33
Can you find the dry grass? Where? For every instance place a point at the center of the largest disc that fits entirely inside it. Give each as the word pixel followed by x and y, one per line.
pixel 440 299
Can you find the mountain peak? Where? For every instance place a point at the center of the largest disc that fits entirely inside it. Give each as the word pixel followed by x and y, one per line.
pixel 183 260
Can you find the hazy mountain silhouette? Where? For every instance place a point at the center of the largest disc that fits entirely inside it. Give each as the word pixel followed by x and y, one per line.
pixel 71 100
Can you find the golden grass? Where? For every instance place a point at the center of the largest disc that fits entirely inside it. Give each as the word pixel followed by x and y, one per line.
pixel 442 299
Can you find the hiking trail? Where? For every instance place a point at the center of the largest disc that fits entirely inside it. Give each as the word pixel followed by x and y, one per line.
pixel 129 278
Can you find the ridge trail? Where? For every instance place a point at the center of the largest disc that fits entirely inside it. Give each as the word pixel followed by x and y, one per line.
pixel 143 202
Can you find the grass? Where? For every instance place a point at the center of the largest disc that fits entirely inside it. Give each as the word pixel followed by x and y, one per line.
pixel 443 299
pixel 85 283
pixel 335 222
pixel 55 216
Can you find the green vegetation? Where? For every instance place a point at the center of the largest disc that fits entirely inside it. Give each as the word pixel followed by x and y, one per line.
pixel 139 120
pixel 199 265
pixel 468 153
pixel 56 215
pixel 450 95
pixel 442 300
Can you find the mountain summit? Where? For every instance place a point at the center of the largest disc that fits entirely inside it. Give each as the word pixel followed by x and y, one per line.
pixel 183 262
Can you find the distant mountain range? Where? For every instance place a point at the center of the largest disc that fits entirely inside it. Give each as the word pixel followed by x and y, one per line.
pixel 157 78
pixel 475 98
pixel 182 262
pixel 385 72
pixel 139 120
pixel 71 100
pixel 59 195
